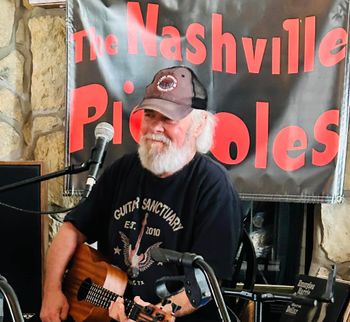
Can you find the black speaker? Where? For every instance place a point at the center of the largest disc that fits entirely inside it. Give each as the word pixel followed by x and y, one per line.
pixel 21 236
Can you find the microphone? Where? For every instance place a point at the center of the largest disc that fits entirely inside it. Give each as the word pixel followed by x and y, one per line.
pixel 194 281
pixel 171 256
pixel 103 133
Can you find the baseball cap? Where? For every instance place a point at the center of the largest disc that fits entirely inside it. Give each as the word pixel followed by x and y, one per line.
pixel 174 92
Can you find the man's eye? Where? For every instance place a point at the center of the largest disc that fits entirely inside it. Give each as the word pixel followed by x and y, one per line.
pixel 169 121
pixel 149 114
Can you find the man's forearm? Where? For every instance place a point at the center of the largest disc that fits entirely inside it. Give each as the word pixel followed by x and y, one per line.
pixel 59 254
pixel 55 306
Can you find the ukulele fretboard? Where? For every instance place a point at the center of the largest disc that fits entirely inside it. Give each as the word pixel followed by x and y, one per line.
pixel 101 297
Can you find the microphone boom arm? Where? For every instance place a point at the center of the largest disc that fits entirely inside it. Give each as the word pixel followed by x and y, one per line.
pixel 72 169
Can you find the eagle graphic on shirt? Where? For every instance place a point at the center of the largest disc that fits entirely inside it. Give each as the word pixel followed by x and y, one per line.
pixel 137 263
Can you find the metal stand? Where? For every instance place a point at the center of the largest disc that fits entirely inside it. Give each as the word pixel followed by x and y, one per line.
pixel 260 298
pixel 5 288
pixel 197 293
pixel 214 288
pixel 11 299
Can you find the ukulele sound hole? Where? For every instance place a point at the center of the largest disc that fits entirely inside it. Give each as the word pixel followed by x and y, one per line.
pixel 84 289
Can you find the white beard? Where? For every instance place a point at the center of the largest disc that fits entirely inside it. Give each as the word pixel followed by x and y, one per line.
pixel 169 161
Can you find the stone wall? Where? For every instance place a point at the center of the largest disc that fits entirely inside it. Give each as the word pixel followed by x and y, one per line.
pixel 32 89
pixel 32 116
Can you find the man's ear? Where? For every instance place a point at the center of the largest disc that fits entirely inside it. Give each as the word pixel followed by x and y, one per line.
pixel 200 126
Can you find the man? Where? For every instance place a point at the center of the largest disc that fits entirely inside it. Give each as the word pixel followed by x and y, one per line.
pixel 167 195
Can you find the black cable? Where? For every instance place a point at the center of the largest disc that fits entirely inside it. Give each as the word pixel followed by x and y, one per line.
pixel 42 212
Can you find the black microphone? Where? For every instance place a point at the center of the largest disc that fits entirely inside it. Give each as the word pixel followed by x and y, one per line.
pixel 171 256
pixel 104 133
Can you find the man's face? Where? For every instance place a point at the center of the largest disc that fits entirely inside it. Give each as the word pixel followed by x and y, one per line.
pixel 166 146
pixel 172 131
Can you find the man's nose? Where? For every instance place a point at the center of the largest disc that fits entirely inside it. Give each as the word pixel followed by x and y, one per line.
pixel 157 126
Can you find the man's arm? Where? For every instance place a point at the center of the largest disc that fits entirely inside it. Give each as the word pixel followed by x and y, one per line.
pixel 55 306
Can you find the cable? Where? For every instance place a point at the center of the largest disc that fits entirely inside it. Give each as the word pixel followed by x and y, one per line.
pixel 42 212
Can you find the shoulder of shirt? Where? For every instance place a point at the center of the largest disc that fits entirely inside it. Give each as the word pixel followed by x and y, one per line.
pixel 216 173
pixel 212 165
pixel 124 162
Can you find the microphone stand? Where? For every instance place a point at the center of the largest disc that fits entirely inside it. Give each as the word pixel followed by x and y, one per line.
pixel 72 169
pixel 5 288
pixel 11 299
pixel 214 288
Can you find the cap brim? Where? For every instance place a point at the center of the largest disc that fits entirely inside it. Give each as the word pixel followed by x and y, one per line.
pixel 169 109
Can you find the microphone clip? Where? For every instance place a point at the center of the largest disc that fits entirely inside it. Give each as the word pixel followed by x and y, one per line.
pixel 192 281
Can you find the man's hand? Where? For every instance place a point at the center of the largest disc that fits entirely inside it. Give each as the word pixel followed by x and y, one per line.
pixel 117 309
pixel 54 307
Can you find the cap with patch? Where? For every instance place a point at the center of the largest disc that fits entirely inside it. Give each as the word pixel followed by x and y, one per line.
pixel 174 92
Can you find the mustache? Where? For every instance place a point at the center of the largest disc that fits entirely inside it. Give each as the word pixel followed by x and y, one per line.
pixel 156 137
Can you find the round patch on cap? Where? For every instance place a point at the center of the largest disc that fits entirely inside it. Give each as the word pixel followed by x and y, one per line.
pixel 166 83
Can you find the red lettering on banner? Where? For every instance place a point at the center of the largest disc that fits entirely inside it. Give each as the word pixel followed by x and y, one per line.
pixel 117 122
pixel 290 138
pixel 78 39
pixel 331 51
pixel 333 47
pixel 111 45
pixel 328 138
pixel 276 56
pixel 223 40
pixel 96 44
pixel 262 134
pixel 232 134
pixel 292 27
pixel 170 47
pixel 82 100
pixel 148 31
pixel 254 58
pixel 230 130
pixel 199 54
pixel 289 144
pixel 135 125
pixel 310 39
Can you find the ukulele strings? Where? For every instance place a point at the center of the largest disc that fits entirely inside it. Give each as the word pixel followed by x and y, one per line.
pixel 83 285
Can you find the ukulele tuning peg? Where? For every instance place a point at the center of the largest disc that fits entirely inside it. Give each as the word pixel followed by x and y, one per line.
pixel 165 302
pixel 159 317
pixel 175 307
pixel 148 310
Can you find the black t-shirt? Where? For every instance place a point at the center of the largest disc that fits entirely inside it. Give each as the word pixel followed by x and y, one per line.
pixel 130 211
